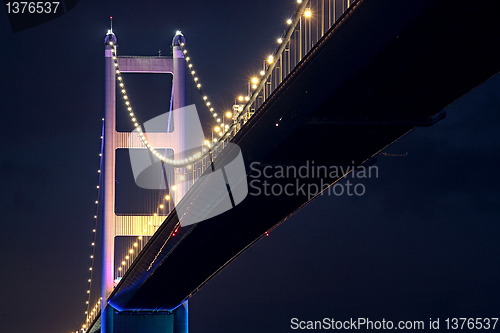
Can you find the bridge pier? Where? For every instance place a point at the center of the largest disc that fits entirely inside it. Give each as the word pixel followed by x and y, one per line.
pixel 181 324
pixel 151 322
pixel 107 319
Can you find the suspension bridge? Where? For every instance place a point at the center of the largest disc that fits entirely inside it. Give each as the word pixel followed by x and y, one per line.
pixel 347 79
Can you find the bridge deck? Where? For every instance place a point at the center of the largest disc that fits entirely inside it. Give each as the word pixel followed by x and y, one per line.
pixel 385 68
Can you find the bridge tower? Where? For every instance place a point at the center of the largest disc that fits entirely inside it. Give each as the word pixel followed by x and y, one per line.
pixel 114 225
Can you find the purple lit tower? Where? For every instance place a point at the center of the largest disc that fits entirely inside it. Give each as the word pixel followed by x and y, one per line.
pixel 114 225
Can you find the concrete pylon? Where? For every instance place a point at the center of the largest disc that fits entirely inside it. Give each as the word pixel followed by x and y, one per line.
pixel 137 321
pixel 108 216
pixel 179 102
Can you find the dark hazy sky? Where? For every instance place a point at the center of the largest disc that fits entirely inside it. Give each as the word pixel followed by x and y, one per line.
pixel 421 243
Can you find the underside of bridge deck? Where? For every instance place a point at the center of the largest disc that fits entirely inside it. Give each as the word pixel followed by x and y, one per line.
pixel 385 68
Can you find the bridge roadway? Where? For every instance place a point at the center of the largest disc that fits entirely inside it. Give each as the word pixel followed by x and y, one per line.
pixel 385 68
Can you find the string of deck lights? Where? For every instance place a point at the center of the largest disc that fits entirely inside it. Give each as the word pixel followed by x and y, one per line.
pixel 130 257
pixel 138 245
pixel 89 313
pixel 92 315
pixel 256 83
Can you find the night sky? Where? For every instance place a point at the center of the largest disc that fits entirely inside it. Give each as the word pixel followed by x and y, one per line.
pixel 421 243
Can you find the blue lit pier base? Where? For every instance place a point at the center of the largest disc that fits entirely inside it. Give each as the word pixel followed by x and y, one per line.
pixel 175 322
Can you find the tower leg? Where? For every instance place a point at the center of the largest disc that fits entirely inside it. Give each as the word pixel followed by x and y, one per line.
pixel 179 102
pixel 108 218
